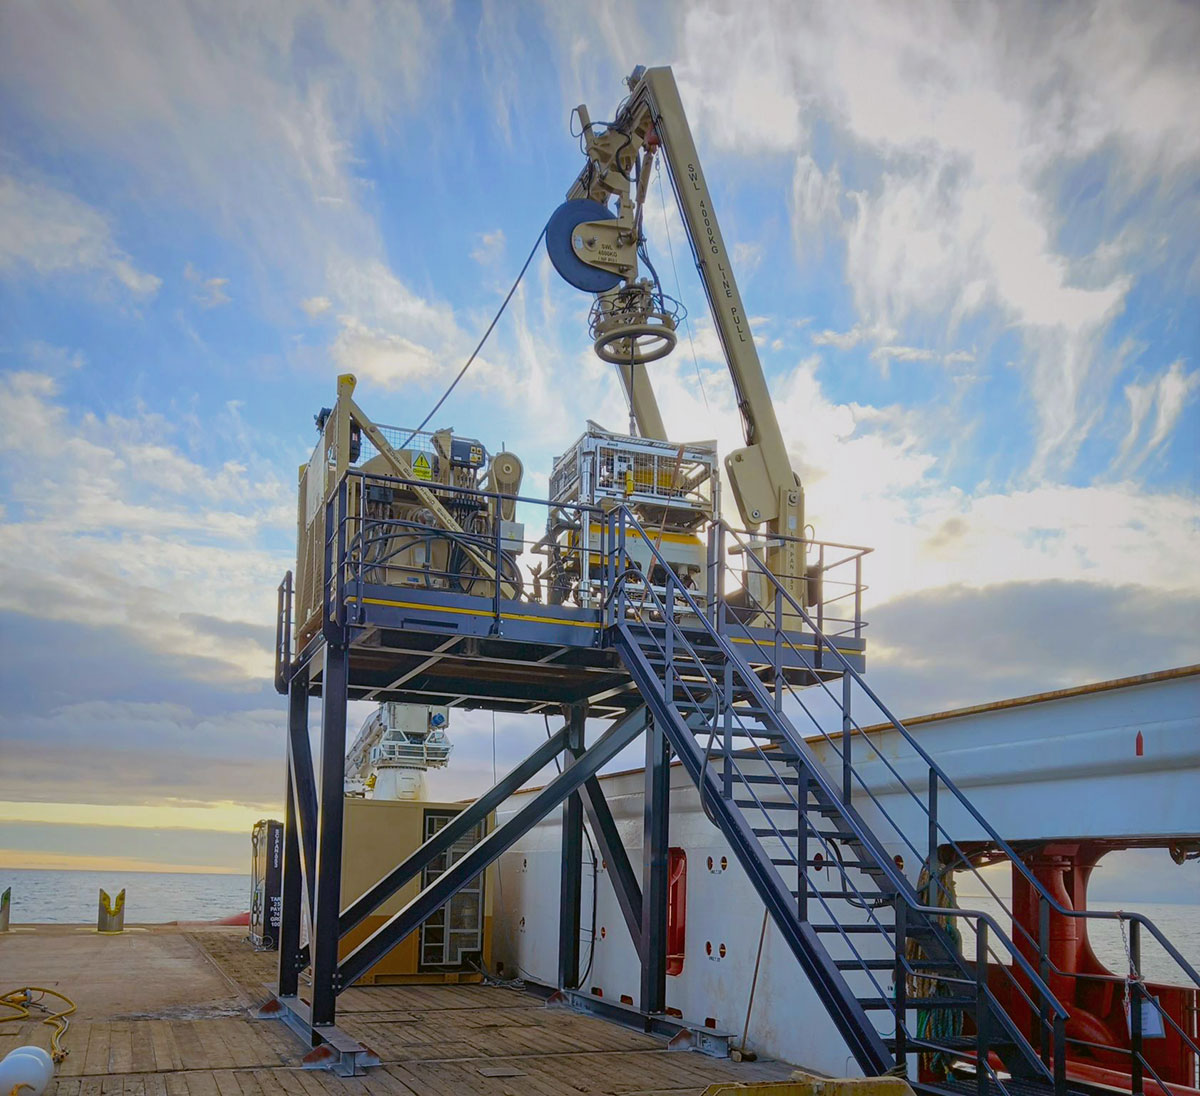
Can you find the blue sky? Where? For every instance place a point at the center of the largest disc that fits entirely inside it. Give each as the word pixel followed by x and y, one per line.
pixel 966 236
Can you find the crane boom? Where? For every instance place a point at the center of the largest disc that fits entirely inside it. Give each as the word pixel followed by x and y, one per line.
pixel 765 487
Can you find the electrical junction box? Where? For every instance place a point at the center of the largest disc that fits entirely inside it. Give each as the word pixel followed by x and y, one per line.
pixel 467 453
pixel 512 536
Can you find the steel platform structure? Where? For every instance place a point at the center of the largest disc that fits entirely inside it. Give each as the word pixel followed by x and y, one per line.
pixel 722 676
pixel 484 650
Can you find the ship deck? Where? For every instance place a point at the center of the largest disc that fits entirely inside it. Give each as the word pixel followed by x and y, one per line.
pixel 168 1010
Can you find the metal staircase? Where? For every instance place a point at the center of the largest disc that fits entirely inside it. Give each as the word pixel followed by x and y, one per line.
pixel 885 956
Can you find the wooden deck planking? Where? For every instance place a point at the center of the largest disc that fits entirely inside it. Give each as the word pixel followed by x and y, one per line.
pixel 440 1040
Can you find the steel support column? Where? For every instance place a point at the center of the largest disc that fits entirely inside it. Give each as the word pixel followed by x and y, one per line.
pixel 293 870
pixel 330 810
pixel 571 877
pixel 655 838
pixel 303 781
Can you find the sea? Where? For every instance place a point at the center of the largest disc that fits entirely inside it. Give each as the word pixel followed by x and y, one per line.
pixel 45 896
pixel 1180 924
pixel 51 896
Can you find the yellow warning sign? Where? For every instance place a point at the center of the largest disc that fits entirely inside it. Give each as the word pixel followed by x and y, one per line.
pixel 421 469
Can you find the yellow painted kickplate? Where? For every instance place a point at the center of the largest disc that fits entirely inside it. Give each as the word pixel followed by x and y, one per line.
pixel 808 1084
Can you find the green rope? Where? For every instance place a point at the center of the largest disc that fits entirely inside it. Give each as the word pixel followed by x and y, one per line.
pixel 935 1024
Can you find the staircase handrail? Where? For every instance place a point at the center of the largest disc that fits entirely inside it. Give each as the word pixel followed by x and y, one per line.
pixel 1038 886
pixel 886 864
pixel 985 991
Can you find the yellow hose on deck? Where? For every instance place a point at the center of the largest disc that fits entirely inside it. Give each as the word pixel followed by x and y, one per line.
pixel 21 1001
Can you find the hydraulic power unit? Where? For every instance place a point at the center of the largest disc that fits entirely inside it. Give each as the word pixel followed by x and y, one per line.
pixel 427 510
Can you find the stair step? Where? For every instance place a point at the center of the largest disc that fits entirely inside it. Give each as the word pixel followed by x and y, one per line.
pixel 827 812
pixel 765 805
pixel 889 964
pixel 963 1044
pixel 822 860
pixel 751 754
pixel 863 930
pixel 742 732
pixel 865 964
pixel 710 658
pixel 880 1004
pixel 860 896
pixel 846 865
pixel 855 930
pixel 778 779
pixel 746 719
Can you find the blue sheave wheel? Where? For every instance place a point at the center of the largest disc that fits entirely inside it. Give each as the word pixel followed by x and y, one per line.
pixel 559 230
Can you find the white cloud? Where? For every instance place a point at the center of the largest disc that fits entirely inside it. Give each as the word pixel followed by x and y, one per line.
pixel 751 107
pixel 52 232
pixel 747 257
pixel 316 306
pixel 55 360
pixel 209 292
pixel 383 356
pixel 859 333
pixel 956 121
pixel 816 198
pixel 390 334
pixel 902 354
pixel 150 753
pixel 249 124
pixel 872 477
pixel 489 248
pixel 1039 636
pixel 111 523
pixel 1165 396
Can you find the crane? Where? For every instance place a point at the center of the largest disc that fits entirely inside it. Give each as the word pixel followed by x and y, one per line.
pixel 595 240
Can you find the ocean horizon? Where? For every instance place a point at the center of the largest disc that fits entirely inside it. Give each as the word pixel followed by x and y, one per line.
pixel 70 896
pixel 58 896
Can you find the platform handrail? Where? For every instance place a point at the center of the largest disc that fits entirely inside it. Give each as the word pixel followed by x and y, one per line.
pixel 352 536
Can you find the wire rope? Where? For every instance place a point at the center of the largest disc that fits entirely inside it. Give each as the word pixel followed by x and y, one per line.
pixel 479 346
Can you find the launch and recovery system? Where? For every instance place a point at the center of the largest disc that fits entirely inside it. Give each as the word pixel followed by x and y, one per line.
pixel 426 582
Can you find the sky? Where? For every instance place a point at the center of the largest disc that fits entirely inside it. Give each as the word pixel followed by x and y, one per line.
pixel 966 236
